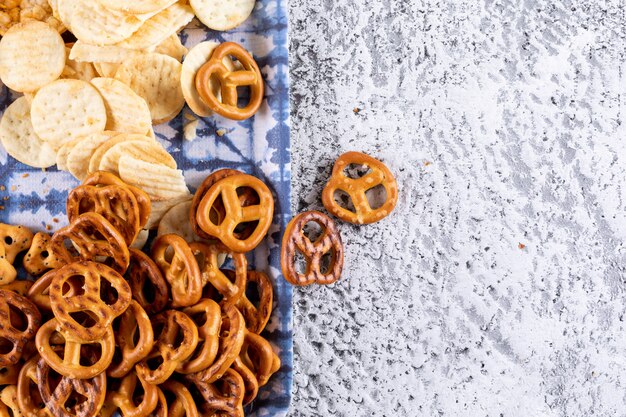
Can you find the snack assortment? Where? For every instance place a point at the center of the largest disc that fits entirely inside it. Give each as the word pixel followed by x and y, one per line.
pixel 107 318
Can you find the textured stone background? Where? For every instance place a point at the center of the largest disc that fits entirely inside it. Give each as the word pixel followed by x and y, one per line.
pixel 503 121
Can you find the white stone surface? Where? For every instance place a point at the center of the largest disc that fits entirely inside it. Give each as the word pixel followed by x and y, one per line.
pixel 504 122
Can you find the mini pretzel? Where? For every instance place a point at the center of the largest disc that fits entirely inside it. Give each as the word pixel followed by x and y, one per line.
pixel 148 286
pixel 231 290
pixel 258 356
pixel 183 404
pixel 223 397
pixel 70 364
pixel 94 237
pixel 132 322
pixel 95 275
pixel 294 240
pixel 165 347
pixel 15 239
pixel 8 397
pixel 115 203
pixel 93 389
pixel 28 396
pixel 250 382
pixel 257 317
pixel 208 334
pixel 20 287
pixel 181 271
pixel 40 257
pixel 229 81
pixel 124 397
pixel 235 213
pixel 8 273
pixel 232 336
pixel 12 336
pixel 39 292
pixel 356 189
pixel 102 178
pixel 9 374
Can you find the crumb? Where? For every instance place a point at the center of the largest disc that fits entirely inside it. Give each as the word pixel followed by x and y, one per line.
pixel 427 163
pixel 190 130
pixel 356 110
pixel 1 207
pixel 189 117
pixel 43 170
pixel 55 220
pixel 25 175
pixel 13 188
pixel 521 246
pixel 221 132
pixel 5 198
pixel 2 188
pixel 48 227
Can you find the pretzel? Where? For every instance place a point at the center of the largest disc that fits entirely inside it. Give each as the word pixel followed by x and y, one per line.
pixel 9 374
pixel 294 240
pixel 39 257
pixel 164 349
pixel 93 390
pixel 250 382
pixel 102 178
pixel 183 404
pixel 73 350
pixel 232 334
pixel 13 337
pixel 90 302
pixel 124 398
pixel 223 397
pixel 356 189
pixel 39 292
pixel 20 287
pixel 8 273
pixel 132 322
pixel 229 81
pixel 258 356
pixel 94 237
pixel 257 317
pixel 15 239
pixel 207 316
pixel 28 396
pixel 148 286
pixel 161 409
pixel 8 397
pixel 115 203
pixel 234 212
pixel 180 270
pixel 207 256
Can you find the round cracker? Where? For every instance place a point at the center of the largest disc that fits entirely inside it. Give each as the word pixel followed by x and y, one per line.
pixel 95 24
pixel 141 239
pixel 139 149
pixel 158 181
pixel 96 157
pixel 64 151
pixel 19 138
pixel 126 111
pixel 137 6
pixel 67 109
pixel 160 207
pixel 79 156
pixel 176 220
pixel 78 70
pixel 156 78
pixel 173 47
pixel 222 14
pixel 65 9
pixel 32 54
pixel 196 58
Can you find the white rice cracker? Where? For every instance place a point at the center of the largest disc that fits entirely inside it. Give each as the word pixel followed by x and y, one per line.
pixel 160 207
pixel 143 150
pixel 160 182
pixel 197 56
pixel 126 111
pixel 222 14
pixel 64 151
pixel 173 47
pixel 67 109
pixel 84 52
pixel 98 154
pixel 78 70
pixel 94 24
pixel 78 159
pixel 32 54
pixel 65 9
pixel 106 69
pixel 136 6
pixel 156 78
pixel 19 138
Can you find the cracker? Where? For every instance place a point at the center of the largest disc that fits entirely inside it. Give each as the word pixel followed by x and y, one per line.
pixel 137 6
pixel 106 69
pixel 79 156
pixel 78 70
pixel 176 220
pixel 64 151
pixel 84 52
pixel 160 207
pixel 196 58
pixel 141 239
pixel 41 11
pixel 173 47
pixel 95 24
pixel 67 109
pixel 222 14
pixel 156 78
pixel 64 11
pixel 19 138
pixel 158 181
pixel 151 152
pixel 96 157
pixel 159 27
pixel 126 111
pixel 32 54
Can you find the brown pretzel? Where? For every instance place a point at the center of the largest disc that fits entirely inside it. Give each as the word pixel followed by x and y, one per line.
pixel 249 76
pixel 93 390
pixel 234 212
pixel 39 292
pixel 8 273
pixel 125 400
pixel 102 178
pixel 329 242
pixel 208 260
pixel 148 286
pixel 166 348
pixel 15 338
pixel 15 239
pixel 8 397
pixel 39 257
pixel 180 269
pixel 20 287
pixel 182 404
pixel 207 316
pixel 115 203
pixel 9 374
pixel 223 397
pixel 258 356
pixel 356 188
pixel 257 316
pixel 232 334
pixel 132 348
pixel 94 238
pixel 250 382
pixel 95 277
pixel 28 396
pixel 73 350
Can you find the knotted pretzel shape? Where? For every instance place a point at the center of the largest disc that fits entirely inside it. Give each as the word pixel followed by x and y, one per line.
pixel 208 256
pixel 229 80
pixel 134 321
pixel 15 239
pixel 93 390
pixel 39 292
pixel 294 240
pixel 250 382
pixel 148 286
pixel 356 189
pixel 256 317
pixel 235 213
pixel 183 404
pixel 94 237
pixel 207 316
pixel 166 349
pixel 12 331
pixel 40 257
pixel 124 398
pixel 72 351
pixel 179 267
pixel 28 396
pixel 223 397
pixel 259 357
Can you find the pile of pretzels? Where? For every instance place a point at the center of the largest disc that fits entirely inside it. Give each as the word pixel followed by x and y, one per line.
pixel 172 333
